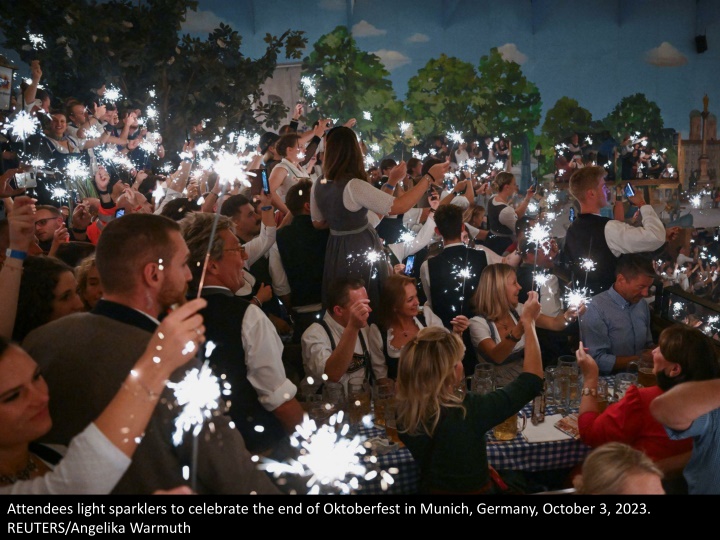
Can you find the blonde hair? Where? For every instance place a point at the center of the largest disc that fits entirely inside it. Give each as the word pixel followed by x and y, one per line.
pixel 490 299
pixel 605 469
pixel 426 379
pixel 502 179
pixel 81 275
pixel 583 180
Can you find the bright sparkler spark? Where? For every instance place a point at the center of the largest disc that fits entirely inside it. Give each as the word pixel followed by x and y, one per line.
pixel 93 132
pixel 75 169
pixel 533 207
pixel 587 264
pixel 540 236
pixel 228 167
pixel 23 125
pixel 456 137
pixel 574 298
pixel 550 217
pixel 696 201
pixel 329 459
pixel 375 147
pixel 464 273
pixel 59 194
pixel 373 256
pixel 404 126
pixel 158 193
pixel 367 115
pixel 308 85
pixel 540 278
pixel 151 112
pixel 199 395
pixel 677 308
pixel 369 161
pixel 112 95
pixel 552 198
pixel 407 236
pixel 37 41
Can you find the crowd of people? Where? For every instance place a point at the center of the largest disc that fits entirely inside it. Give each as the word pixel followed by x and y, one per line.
pixel 300 262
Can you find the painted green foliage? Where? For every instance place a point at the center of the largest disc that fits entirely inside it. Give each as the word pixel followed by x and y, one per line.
pixel 635 113
pixel 565 118
pixel 444 96
pixel 136 47
pixel 350 82
pixel 512 104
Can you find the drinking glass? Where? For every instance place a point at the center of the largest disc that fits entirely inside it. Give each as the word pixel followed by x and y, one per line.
pixel 383 391
pixel 334 395
pixel 549 388
pixel 483 380
pixel 603 395
pixel 508 429
pixel 623 381
pixel 358 400
pixel 391 431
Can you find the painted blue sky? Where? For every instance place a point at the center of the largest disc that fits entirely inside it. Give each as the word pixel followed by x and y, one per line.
pixel 594 51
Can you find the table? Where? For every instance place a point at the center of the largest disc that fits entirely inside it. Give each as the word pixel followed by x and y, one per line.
pixel 517 454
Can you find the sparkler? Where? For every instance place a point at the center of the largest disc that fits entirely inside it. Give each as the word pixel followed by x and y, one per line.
pixel 22 126
pixel 367 115
pixel 112 95
pixel 540 236
pixel 696 201
pixel 37 41
pixel 327 458
pixel 199 394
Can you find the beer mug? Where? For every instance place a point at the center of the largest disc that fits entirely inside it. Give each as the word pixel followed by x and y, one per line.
pixel 644 368
pixel 508 429
pixel 334 395
pixel 391 431
pixel 358 400
pixel 383 391
pixel 549 388
pixel 603 395
pixel 623 381
pixel 483 380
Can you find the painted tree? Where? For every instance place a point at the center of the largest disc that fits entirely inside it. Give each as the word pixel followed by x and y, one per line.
pixel 136 47
pixel 512 104
pixel 565 118
pixel 444 97
pixel 636 114
pixel 341 81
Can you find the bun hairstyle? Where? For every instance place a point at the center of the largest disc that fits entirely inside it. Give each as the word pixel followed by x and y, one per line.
pixel 501 180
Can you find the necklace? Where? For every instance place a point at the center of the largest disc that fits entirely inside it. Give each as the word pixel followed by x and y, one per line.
pixel 24 474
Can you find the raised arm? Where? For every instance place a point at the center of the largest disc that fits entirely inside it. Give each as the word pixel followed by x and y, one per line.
pixel 680 406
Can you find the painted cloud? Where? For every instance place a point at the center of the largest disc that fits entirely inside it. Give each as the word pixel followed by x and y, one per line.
pixel 418 38
pixel 365 29
pixel 392 59
pixel 510 53
pixel 665 56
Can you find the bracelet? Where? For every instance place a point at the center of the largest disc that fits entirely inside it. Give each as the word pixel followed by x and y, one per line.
pixel 15 254
pixel 79 231
pixel 431 176
pixel 266 208
pixel 257 301
pixel 139 207
pixel 589 392
pixel 151 396
pixel 213 193
pixel 100 192
pixel 513 338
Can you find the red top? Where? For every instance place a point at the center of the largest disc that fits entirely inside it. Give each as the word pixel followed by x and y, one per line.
pixel 629 421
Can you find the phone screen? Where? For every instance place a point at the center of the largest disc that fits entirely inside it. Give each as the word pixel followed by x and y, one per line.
pixel 629 191
pixel 265 185
pixel 119 212
pixel 572 214
pixel 25 180
pixel 409 263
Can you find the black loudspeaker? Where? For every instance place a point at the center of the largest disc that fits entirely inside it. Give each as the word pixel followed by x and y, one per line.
pixel 700 44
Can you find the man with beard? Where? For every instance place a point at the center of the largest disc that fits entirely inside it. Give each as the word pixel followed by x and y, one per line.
pixel 142 260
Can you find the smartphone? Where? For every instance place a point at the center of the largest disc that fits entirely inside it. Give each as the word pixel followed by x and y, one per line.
pixel 572 214
pixel 119 212
pixel 265 184
pixel 25 180
pixel 628 190
pixel 409 264
pixel 534 186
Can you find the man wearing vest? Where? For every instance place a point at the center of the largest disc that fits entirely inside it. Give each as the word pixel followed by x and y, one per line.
pixel 247 349
pixel 451 277
pixel 601 239
pixel 337 346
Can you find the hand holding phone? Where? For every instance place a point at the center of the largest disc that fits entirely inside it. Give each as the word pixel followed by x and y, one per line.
pixel 572 214
pixel 628 190
pixel 265 183
pixel 409 264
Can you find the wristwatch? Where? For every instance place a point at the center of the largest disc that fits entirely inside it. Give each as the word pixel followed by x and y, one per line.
pixel 589 392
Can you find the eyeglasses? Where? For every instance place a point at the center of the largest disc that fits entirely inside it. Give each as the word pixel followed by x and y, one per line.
pixel 42 222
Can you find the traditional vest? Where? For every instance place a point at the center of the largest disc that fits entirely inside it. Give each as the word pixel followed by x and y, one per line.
pixel 585 239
